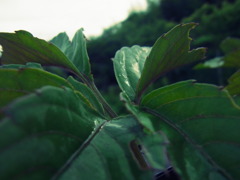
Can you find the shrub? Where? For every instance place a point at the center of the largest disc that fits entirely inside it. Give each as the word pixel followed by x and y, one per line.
pixel 62 128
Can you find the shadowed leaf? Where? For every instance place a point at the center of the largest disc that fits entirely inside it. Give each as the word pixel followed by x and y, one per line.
pixel 24 80
pixel 39 132
pixel 87 92
pixel 108 153
pixel 201 124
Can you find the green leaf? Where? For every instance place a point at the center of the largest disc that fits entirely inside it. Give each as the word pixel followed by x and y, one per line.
pixel 107 154
pixel 212 63
pixel 40 132
pixel 61 41
pixel 76 50
pixel 128 64
pixel 230 44
pixel 202 126
pixel 88 93
pixel 24 80
pixel 232 59
pixel 19 66
pixel 233 86
pixel 170 51
pixel 231 47
pixel 21 47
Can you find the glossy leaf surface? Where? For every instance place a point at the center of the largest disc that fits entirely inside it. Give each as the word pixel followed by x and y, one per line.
pixel 21 47
pixel 170 51
pixel 39 132
pixel 128 65
pixel 107 154
pixel 202 126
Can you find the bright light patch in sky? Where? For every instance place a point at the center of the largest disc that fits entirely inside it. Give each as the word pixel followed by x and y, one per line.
pixel 46 18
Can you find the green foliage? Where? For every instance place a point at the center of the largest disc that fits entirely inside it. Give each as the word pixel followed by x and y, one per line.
pixel 61 128
pixel 231 47
pixel 217 23
pixel 218 19
pixel 75 51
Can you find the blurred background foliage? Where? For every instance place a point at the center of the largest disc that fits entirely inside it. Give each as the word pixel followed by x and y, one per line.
pixel 218 19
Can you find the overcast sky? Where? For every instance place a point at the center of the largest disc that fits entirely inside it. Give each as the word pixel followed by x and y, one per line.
pixel 46 18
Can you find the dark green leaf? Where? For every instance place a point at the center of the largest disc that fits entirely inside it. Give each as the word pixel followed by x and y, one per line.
pixel 41 131
pixel 231 48
pixel 87 92
pixel 170 51
pixel 232 59
pixel 202 124
pixel 230 44
pixel 107 154
pixel 128 64
pixel 21 47
pixel 234 84
pixel 24 80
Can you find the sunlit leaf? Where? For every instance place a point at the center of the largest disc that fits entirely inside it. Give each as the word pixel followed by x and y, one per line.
pixel 128 64
pixel 170 51
pixel 40 131
pixel 202 126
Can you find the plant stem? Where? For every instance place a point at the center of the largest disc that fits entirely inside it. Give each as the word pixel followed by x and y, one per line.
pixel 109 111
pixel 106 106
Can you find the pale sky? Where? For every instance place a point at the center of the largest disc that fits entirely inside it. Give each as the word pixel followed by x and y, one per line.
pixel 46 18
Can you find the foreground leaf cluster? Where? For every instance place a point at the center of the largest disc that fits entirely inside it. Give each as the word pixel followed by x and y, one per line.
pixel 56 124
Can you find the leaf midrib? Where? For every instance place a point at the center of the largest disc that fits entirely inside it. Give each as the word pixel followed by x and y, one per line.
pixel 189 140
pixel 76 154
